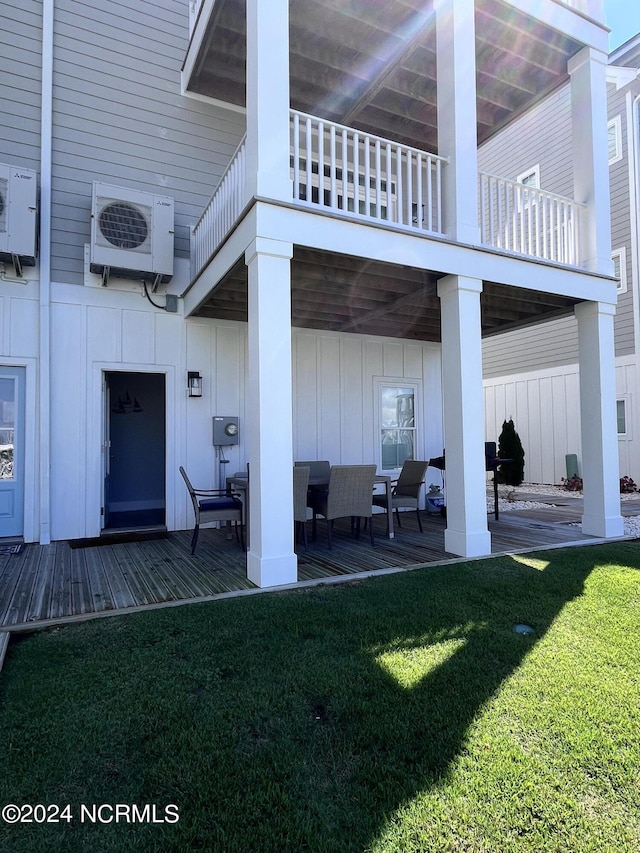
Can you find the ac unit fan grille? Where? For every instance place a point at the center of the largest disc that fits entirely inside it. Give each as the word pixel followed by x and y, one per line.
pixel 125 225
pixel 3 204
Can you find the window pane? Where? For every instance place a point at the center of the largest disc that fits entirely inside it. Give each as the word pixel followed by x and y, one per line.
pixel 397 445
pixel 622 419
pixel 397 406
pixel 613 141
pixel 7 427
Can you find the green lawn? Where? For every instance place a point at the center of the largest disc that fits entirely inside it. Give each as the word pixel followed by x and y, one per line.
pixel 399 713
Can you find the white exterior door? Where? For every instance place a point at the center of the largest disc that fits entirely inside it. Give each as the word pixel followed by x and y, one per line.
pixel 12 381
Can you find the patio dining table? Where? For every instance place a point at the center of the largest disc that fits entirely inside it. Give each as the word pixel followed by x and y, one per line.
pixel 240 484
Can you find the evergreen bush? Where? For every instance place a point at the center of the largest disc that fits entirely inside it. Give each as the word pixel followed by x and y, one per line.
pixel 510 447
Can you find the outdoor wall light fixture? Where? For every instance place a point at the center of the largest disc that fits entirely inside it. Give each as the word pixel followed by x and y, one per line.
pixel 194 383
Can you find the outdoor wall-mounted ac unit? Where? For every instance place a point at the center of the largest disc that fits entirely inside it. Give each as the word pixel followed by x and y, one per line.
pixel 18 216
pixel 131 234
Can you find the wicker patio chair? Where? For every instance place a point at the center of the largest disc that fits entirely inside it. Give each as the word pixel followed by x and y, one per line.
pixel 348 494
pixel 214 505
pixel 406 490
pixel 300 489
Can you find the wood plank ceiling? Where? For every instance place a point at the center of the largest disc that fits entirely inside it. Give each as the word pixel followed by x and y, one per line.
pixel 371 64
pixel 347 294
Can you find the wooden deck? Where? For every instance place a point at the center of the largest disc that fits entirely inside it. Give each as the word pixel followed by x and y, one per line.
pixel 46 584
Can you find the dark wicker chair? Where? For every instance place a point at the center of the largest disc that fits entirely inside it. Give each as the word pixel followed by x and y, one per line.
pixel 300 489
pixel 406 490
pixel 214 505
pixel 348 494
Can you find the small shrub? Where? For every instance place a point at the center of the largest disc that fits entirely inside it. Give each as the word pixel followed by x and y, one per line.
pixel 573 484
pixel 627 485
pixel 510 447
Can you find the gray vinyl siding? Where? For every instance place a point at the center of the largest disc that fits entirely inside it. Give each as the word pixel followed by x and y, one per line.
pixel 20 89
pixel 541 137
pixel 119 118
pixel 550 344
pixel 620 219
pixel 524 145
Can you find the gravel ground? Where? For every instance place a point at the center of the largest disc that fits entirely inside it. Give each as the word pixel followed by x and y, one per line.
pixel 513 503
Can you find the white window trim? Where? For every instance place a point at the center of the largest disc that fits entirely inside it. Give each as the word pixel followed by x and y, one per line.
pixel 534 170
pixel 416 384
pixel 616 123
pixel 527 199
pixel 623 398
pixel 621 253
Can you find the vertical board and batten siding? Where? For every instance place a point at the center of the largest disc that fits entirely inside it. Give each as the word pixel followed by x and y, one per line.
pixel 20 85
pixel 334 378
pixel 548 431
pixel 104 331
pixel 545 408
pixel 335 394
pixel 119 118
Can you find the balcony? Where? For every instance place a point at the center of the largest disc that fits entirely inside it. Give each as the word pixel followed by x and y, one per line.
pixel 397 187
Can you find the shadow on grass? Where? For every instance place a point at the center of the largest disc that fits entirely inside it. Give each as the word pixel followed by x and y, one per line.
pixel 292 722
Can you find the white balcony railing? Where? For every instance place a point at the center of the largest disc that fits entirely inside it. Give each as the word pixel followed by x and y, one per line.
pixel 374 180
pixel 528 221
pixel 222 212
pixel 348 172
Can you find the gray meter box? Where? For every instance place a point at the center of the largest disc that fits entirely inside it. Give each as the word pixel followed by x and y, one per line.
pixel 225 431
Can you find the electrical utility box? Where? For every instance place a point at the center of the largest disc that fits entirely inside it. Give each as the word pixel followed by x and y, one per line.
pixel 225 431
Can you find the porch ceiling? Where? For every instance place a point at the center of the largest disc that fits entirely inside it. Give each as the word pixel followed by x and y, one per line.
pixel 341 293
pixel 373 66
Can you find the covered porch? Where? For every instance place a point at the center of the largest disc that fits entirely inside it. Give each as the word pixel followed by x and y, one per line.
pixel 354 215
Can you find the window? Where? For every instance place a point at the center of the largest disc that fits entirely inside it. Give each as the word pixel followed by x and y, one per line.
pixel 530 180
pixel 621 410
pixel 7 427
pixel 615 140
pixel 619 258
pixel 397 423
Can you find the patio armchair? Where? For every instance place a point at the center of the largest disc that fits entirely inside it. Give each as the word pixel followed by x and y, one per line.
pixel 348 494
pixel 214 505
pixel 300 489
pixel 406 490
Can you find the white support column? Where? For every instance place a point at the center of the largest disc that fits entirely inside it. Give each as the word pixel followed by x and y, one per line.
pixel 467 532
pixel 591 158
pixel 268 172
pixel 457 134
pixel 271 559
pixel 600 465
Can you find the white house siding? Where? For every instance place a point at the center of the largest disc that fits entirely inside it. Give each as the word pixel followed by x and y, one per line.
pixel 20 84
pixel 119 117
pixel 97 330
pixel 545 408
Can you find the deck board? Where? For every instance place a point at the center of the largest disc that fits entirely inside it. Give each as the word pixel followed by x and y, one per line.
pixel 44 583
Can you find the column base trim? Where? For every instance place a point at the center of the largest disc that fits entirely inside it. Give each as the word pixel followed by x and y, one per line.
pixel 272 571
pixel 467 544
pixel 605 527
